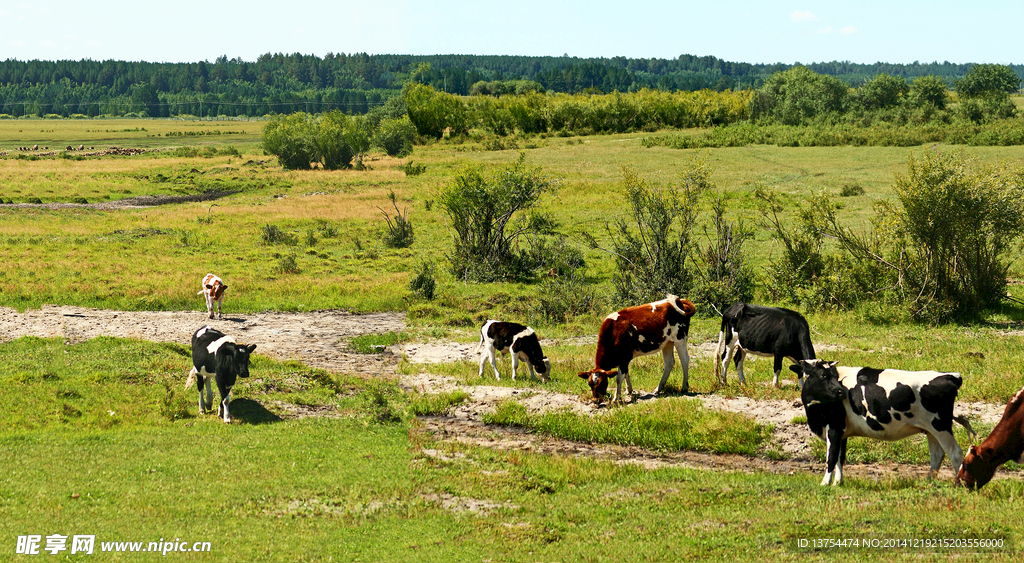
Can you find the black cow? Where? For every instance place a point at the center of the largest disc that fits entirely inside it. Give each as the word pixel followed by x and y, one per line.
pixel 762 331
pixel 217 357
pixel 514 338
pixel 884 404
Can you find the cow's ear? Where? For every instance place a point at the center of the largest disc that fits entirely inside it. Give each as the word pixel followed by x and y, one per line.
pixel 208 286
pixel 797 369
pixel 223 286
pixel 250 348
pixel 584 374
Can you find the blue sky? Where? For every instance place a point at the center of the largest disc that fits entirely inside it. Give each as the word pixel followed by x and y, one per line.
pixel 766 31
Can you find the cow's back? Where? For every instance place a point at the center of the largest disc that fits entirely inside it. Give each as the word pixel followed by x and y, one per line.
pixel 893 404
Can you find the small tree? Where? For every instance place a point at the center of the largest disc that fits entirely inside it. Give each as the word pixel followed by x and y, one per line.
pixel 652 243
pixel 480 209
pixel 986 80
pixel 291 139
pixel 929 91
pixel 799 94
pixel 883 91
pixel 398 233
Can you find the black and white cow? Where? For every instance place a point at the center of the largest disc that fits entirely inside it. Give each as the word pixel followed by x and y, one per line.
pixel 518 340
pixel 884 404
pixel 216 356
pixel 762 331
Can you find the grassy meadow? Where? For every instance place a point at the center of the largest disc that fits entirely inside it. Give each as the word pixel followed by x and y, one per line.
pixel 101 438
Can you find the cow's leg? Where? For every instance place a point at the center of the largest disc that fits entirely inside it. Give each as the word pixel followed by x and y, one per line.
pixel 209 307
pixel 219 314
pixel 684 358
pixel 483 360
pixel 670 361
pixel 622 374
pixel 778 369
pixel 842 461
pixel 833 449
pixel 738 358
pixel 225 400
pixel 721 357
pixel 515 362
pixel 730 351
pixel 941 445
pixel 492 354
pixel 209 393
pixel 199 385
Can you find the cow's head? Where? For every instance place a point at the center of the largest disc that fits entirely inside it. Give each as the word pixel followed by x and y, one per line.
pixel 821 382
pixel 975 472
pixel 216 289
pixel 239 355
pixel 598 380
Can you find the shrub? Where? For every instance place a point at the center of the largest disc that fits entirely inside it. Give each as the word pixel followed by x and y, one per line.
pixel 287 264
pixel 651 246
pixel 395 136
pixel 274 235
pixel 423 283
pixel 480 209
pixel 724 277
pixel 413 169
pixel 398 233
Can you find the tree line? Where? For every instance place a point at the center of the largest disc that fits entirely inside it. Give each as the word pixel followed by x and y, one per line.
pixel 355 83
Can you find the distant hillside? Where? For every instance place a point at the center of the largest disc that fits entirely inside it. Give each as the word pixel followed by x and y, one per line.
pixel 354 83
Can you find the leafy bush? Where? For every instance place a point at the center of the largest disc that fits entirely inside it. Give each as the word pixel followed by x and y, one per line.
pixel 398 232
pixel 794 96
pixel 413 169
pixel 423 282
pixel 724 276
pixel 480 209
pixel 272 234
pixel 651 246
pixel 395 136
pixel 332 139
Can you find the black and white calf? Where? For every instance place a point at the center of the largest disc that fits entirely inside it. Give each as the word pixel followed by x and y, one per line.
pixel 884 404
pixel 215 356
pixel 514 338
pixel 762 331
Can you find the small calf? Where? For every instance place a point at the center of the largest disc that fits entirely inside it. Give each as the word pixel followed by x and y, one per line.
pixel 215 356
pixel 512 338
pixel 213 289
pixel 1005 443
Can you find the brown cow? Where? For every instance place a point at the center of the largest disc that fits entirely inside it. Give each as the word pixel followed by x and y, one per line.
pixel 1002 445
pixel 213 290
pixel 640 331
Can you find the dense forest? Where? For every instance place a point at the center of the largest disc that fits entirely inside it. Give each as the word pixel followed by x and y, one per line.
pixel 279 83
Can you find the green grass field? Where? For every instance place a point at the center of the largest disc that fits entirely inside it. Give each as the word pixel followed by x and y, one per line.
pixel 100 438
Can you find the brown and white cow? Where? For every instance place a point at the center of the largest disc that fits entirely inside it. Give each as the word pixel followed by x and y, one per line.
pixel 1004 444
pixel 640 331
pixel 213 289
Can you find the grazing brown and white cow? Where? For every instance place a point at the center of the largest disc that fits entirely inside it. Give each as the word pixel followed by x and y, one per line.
pixel 884 404
pixel 517 340
pixel 213 289
pixel 640 331
pixel 1004 444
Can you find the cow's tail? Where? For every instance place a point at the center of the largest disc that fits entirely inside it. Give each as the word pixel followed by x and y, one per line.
pixel 191 378
pixel 962 420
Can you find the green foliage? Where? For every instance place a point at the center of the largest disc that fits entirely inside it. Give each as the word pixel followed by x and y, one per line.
pixel 272 234
pixel 435 113
pixel 985 80
pixel 436 404
pixel 375 343
pixel 797 95
pixel 332 139
pixel 395 136
pixel 290 139
pixel 398 231
pixel 666 425
pixel 412 169
pixel 958 227
pixel 724 275
pixel 929 91
pixel 651 245
pixel 883 91
pixel 423 283
pixel 480 208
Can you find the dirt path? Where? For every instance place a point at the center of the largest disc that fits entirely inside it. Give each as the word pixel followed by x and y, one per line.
pixel 320 339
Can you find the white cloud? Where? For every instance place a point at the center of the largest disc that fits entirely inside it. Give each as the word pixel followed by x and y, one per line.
pixel 848 30
pixel 805 16
pixel 825 30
